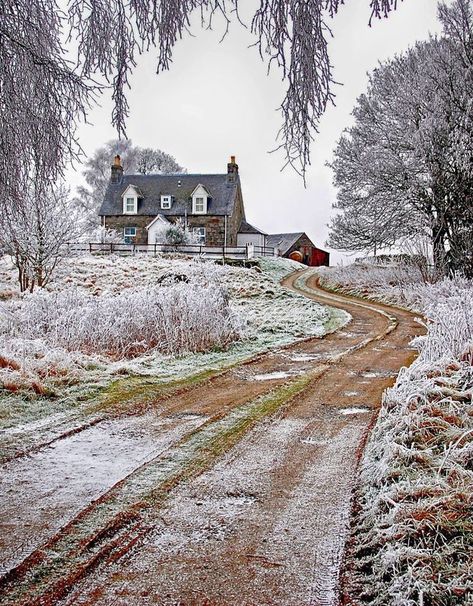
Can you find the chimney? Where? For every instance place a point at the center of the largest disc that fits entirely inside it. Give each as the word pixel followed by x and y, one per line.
pixel 232 170
pixel 117 170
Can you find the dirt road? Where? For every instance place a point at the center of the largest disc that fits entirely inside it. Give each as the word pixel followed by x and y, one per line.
pixel 236 491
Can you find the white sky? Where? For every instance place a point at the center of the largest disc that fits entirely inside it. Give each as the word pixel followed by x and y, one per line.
pixel 217 101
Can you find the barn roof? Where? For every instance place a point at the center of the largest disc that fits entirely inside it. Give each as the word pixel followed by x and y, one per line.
pixel 283 242
pixel 222 193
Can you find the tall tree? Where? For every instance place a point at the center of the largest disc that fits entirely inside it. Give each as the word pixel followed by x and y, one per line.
pixel 54 64
pixel 135 160
pixel 408 156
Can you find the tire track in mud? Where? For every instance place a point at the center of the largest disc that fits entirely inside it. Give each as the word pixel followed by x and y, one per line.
pixel 234 409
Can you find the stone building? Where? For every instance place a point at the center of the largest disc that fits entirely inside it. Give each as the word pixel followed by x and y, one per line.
pixel 210 205
pixel 298 246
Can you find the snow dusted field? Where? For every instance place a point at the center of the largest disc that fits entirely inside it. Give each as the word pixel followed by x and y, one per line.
pixel 413 537
pixel 168 318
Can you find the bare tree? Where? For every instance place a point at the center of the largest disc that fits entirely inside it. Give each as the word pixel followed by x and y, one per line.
pixel 97 172
pixel 407 159
pixel 36 231
pixel 47 85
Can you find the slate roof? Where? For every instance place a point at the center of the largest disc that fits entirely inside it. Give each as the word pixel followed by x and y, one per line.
pixel 247 228
pixel 221 201
pixel 283 242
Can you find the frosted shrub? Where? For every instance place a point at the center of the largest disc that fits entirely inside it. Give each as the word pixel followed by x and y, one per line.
pixel 413 536
pixel 385 283
pixel 173 318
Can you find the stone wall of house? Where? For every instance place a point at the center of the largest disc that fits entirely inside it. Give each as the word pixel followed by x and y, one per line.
pixel 234 221
pixel 119 222
pixel 214 227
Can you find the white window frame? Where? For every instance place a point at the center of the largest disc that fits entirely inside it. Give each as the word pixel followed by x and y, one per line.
pixel 128 235
pixel 201 234
pixel 166 201
pixel 195 209
pixel 126 210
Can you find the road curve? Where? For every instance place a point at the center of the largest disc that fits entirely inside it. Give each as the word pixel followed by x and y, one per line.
pixel 257 514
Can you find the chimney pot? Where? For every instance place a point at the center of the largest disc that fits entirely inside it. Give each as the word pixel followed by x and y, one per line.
pixel 117 170
pixel 232 169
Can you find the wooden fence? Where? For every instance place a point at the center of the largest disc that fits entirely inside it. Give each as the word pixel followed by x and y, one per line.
pixel 210 252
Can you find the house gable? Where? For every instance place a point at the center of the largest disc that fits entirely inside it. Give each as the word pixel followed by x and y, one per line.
pixel 200 200
pixel 130 198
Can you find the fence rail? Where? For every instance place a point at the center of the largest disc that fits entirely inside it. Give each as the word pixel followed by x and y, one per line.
pixel 211 252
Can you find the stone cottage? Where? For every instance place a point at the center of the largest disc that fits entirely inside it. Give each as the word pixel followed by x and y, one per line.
pixel 210 205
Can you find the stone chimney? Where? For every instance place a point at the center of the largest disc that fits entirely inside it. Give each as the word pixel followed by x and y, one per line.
pixel 232 170
pixel 117 170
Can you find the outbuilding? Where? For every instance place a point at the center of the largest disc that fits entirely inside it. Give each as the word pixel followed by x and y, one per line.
pixel 298 246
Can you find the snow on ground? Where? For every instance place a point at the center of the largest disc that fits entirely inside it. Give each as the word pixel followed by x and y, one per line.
pixel 413 534
pixel 75 335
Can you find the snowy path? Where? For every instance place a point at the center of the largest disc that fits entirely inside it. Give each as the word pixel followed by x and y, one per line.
pixel 239 490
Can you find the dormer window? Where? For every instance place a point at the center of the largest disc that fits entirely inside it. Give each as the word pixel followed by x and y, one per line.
pixel 200 197
pixel 130 200
pixel 166 202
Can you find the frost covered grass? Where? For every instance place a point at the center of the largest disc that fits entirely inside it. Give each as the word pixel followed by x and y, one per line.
pixel 173 318
pixel 401 285
pixel 412 540
pixel 166 318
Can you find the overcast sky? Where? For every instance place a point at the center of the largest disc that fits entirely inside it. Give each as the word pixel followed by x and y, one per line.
pixel 218 101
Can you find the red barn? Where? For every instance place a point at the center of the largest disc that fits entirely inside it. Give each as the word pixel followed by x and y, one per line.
pixel 300 247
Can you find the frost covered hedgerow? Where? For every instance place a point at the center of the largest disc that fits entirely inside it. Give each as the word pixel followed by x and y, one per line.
pixel 394 284
pixel 172 318
pixel 412 541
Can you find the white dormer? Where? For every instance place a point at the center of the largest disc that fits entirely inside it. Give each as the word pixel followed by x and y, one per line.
pixel 130 200
pixel 166 201
pixel 200 197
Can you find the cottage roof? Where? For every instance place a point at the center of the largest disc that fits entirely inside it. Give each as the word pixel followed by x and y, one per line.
pixel 247 228
pixel 221 190
pixel 283 242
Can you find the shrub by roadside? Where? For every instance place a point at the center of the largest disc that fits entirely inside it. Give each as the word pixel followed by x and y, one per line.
pixel 412 540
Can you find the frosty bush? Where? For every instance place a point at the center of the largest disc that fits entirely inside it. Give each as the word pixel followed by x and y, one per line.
pixel 413 536
pixel 384 283
pixel 173 318
pixel 175 234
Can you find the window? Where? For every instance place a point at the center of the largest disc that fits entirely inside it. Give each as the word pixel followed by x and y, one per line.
pixel 130 205
pixel 165 202
pixel 199 205
pixel 199 232
pixel 129 235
